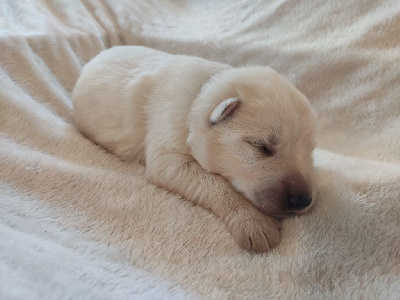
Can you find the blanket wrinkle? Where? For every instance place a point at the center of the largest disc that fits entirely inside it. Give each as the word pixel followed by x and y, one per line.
pixel 78 223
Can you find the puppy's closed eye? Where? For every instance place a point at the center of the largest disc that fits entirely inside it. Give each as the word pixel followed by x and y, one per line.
pixel 265 150
pixel 261 146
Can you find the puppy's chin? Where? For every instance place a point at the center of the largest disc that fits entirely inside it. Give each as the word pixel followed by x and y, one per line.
pixel 282 215
pixel 279 214
pixel 265 206
pixel 271 209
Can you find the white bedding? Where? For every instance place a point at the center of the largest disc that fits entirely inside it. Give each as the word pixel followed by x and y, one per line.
pixel 76 223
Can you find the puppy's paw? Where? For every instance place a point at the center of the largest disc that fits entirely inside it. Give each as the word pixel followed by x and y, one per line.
pixel 253 230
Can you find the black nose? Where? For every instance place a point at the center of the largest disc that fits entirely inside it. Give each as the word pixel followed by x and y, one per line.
pixel 299 202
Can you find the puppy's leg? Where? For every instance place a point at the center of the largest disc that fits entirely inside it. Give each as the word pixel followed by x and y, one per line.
pixel 180 174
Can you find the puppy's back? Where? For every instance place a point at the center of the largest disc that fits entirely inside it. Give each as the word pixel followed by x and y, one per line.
pixel 110 96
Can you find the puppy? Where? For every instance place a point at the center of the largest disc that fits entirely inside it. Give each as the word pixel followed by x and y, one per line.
pixel 236 141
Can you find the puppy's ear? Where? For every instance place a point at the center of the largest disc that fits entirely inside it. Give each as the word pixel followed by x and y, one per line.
pixel 223 109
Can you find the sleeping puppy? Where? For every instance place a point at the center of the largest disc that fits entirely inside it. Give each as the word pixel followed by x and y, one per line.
pixel 236 141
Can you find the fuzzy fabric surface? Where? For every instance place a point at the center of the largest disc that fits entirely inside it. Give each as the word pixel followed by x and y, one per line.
pixel 77 223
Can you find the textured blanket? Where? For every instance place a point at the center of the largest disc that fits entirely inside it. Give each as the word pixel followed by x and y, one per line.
pixel 77 223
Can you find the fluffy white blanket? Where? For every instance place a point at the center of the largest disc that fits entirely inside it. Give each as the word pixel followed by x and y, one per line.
pixel 76 223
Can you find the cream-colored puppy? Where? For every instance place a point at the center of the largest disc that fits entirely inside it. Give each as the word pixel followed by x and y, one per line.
pixel 237 141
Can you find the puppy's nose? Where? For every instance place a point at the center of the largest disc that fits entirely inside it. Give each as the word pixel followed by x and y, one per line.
pixel 299 202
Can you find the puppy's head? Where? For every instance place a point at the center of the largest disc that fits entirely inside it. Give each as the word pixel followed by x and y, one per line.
pixel 254 128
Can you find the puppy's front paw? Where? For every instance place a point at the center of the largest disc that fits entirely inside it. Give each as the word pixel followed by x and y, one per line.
pixel 253 230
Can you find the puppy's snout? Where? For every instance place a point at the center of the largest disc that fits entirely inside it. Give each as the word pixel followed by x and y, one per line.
pixel 297 202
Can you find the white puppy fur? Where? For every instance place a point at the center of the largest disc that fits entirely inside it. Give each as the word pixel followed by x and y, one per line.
pixel 237 141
